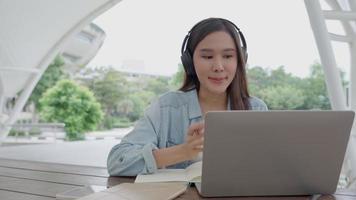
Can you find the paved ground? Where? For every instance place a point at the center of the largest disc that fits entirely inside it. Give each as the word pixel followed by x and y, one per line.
pixel 88 153
pixel 91 152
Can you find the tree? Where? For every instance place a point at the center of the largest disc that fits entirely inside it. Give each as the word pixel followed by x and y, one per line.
pixel 315 90
pixel 158 85
pixel 140 102
pixel 257 79
pixel 125 106
pixel 110 89
pixel 276 87
pixel 178 78
pixel 283 97
pixel 74 105
pixel 50 77
pixel 279 77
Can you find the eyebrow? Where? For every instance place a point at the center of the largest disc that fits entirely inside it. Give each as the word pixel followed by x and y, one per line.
pixel 230 49
pixel 210 50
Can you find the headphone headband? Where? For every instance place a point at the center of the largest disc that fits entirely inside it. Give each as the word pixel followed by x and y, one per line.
pixel 242 37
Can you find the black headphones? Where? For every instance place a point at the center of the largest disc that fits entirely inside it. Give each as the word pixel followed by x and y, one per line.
pixel 187 58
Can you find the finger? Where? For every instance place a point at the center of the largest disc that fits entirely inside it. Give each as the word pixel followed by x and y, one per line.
pixel 190 138
pixel 195 137
pixel 199 126
pixel 200 147
pixel 201 131
pixel 196 127
pixel 192 130
pixel 197 142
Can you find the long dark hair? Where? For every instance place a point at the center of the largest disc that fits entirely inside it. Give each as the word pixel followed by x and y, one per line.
pixel 237 91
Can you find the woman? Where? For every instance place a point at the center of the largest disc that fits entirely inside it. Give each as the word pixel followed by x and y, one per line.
pixel 171 132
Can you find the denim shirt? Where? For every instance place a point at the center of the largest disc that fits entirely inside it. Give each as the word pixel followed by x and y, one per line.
pixel 164 124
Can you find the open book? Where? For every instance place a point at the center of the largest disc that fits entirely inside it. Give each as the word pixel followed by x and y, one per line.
pixel 191 174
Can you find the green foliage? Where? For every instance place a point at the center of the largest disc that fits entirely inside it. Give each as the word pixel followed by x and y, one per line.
pixel 158 86
pixel 17 133
pixel 51 76
pixel 315 89
pixel 121 96
pixel 108 122
pixel 73 105
pixel 281 90
pixel 257 79
pixel 111 122
pixel 178 78
pixel 124 98
pixel 122 123
pixel 109 89
pixel 140 102
pixel 280 77
pixel 283 97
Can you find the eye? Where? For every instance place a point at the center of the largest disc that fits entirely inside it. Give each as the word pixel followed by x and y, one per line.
pixel 207 57
pixel 228 56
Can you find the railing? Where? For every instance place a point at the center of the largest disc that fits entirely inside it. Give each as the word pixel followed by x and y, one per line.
pixel 28 130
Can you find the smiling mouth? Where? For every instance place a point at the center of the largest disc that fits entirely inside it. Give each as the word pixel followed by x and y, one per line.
pixel 217 79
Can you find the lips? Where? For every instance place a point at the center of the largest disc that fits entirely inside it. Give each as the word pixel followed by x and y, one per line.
pixel 217 78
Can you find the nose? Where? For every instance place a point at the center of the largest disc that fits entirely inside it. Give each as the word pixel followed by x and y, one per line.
pixel 218 65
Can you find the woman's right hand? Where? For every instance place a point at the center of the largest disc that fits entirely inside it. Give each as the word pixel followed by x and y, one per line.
pixel 182 152
pixel 195 140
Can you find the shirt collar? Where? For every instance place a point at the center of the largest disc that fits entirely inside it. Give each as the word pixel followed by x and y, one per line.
pixel 194 106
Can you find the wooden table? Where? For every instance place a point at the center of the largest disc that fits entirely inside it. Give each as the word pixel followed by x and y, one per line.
pixel 30 180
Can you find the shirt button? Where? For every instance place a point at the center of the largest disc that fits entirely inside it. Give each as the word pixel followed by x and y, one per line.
pixel 121 159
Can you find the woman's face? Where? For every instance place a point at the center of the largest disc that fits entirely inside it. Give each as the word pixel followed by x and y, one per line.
pixel 215 62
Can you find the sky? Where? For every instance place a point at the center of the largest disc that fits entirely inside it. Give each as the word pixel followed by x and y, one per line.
pixel 277 32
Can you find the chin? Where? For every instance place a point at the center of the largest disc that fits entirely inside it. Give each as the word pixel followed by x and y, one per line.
pixel 221 90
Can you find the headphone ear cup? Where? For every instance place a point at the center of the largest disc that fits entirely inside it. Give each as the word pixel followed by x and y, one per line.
pixel 188 64
pixel 244 54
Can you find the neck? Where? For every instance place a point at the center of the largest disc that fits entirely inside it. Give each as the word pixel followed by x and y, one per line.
pixel 211 102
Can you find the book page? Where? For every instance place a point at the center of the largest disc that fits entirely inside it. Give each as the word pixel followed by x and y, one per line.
pixel 163 175
pixel 194 171
pixel 140 191
pixel 78 192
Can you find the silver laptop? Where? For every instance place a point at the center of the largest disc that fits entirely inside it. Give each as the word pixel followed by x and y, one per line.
pixel 255 153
